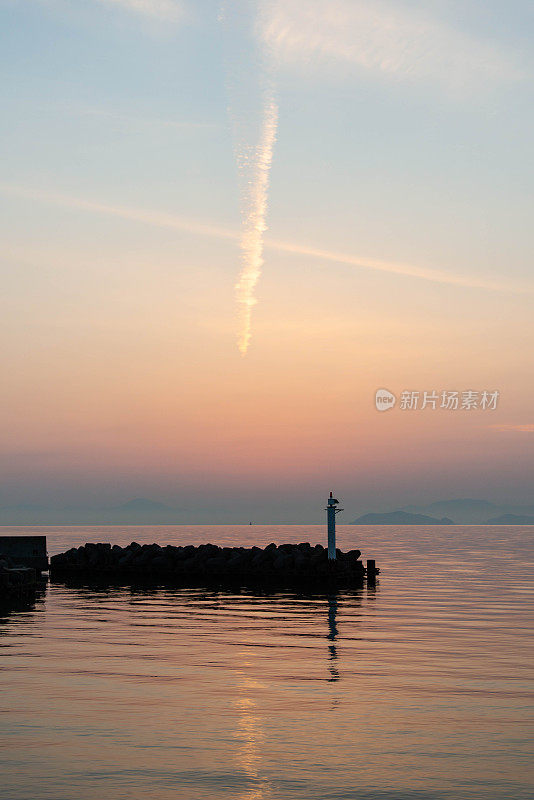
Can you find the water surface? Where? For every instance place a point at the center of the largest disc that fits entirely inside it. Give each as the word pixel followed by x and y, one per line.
pixel 418 688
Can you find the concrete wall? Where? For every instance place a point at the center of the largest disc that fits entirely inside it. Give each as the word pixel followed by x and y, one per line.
pixel 29 551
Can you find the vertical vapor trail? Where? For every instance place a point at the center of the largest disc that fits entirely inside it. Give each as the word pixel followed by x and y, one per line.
pixel 253 111
pixel 254 213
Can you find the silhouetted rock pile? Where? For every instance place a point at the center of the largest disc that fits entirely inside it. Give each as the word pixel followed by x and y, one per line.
pixel 285 564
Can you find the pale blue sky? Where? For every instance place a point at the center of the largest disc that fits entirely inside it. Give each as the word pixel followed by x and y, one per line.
pixel 95 94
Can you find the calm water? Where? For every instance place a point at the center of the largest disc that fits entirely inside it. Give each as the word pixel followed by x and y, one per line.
pixel 420 688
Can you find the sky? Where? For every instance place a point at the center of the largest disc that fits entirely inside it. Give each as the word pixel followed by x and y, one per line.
pixel 225 225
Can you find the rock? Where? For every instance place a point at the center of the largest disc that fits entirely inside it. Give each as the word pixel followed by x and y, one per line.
pixel 190 565
pixel 283 561
pixel 144 557
pixel 318 558
pixel 215 565
pixel 161 563
pixel 235 564
pixel 301 564
pixel 261 558
pixel 126 559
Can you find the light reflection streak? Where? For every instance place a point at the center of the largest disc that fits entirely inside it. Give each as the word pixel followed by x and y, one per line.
pixel 251 737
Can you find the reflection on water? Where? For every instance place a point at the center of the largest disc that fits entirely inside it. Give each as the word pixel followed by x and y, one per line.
pixel 332 633
pixel 249 732
pixel 251 740
pixel 419 687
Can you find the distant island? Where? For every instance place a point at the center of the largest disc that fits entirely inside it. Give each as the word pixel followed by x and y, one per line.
pixel 400 518
pixel 469 511
pixel 511 519
pixel 464 511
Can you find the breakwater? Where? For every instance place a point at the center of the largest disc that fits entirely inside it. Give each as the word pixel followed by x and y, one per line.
pixel 286 565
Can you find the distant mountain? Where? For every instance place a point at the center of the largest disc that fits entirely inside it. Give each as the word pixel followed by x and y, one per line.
pixel 461 510
pixel 25 507
pixel 511 519
pixel 400 518
pixel 469 511
pixel 139 511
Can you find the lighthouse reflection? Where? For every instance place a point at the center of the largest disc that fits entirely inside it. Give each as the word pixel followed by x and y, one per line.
pixel 331 637
pixel 352 603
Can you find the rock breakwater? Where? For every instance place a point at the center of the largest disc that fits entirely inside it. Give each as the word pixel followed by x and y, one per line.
pixel 285 564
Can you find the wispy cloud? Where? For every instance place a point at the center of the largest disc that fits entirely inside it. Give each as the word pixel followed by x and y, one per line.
pixel 397 268
pixel 165 10
pixel 161 219
pixel 383 38
pixel 521 428
pixel 158 219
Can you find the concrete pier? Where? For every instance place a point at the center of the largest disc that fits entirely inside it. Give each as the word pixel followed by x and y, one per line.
pixel 371 571
pixel 16 582
pixel 21 560
pixel 26 551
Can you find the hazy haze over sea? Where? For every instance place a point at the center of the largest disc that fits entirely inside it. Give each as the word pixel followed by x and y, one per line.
pixel 418 688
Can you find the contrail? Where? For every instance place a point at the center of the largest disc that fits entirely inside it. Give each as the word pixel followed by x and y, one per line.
pixel 253 111
pixel 254 221
pixel 161 219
